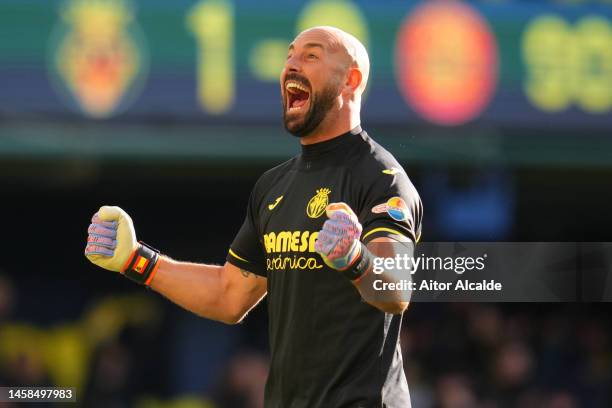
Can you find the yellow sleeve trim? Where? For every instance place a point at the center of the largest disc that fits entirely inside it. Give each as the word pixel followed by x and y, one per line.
pixel 388 230
pixel 232 253
pixel 382 229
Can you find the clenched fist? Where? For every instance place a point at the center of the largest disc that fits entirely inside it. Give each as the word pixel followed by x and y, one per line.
pixel 111 240
pixel 338 242
pixel 112 244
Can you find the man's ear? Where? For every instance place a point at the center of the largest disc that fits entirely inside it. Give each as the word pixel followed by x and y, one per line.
pixel 353 79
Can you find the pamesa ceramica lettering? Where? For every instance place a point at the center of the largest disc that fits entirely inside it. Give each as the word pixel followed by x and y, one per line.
pixel 291 250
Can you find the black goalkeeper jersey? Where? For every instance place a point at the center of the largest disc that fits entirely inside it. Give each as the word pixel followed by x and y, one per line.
pixel 329 348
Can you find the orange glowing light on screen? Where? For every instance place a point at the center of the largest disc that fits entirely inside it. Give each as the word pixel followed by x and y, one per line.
pixel 446 62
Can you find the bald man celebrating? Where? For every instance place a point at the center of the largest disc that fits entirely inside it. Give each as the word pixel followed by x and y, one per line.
pixel 308 241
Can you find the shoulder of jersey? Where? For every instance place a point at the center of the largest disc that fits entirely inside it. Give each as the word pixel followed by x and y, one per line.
pixel 271 175
pixel 379 162
pixel 268 180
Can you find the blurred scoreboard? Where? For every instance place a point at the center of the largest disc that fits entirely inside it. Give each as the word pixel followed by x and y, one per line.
pixel 537 64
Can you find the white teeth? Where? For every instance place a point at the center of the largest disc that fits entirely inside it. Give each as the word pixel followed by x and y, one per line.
pixel 291 84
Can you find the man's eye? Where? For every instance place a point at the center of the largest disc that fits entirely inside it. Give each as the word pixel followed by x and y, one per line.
pixel 313 56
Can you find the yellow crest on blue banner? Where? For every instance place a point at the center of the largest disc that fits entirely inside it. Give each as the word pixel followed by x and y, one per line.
pixel 98 55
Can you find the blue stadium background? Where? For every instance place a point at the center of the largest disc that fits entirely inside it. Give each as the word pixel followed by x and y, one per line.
pixel 171 111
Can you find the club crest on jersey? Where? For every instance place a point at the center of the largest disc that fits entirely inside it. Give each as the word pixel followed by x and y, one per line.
pixel 316 205
pixel 396 208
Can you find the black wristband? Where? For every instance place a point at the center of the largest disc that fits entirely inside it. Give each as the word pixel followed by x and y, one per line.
pixel 361 265
pixel 143 263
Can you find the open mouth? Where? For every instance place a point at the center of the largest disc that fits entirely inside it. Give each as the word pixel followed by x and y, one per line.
pixel 297 96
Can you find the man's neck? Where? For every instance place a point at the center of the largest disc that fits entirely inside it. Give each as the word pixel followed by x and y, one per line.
pixel 337 127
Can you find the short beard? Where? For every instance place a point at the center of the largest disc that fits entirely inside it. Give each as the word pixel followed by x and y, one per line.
pixel 320 105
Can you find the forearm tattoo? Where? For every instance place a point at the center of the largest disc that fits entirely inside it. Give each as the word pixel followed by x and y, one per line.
pixel 246 274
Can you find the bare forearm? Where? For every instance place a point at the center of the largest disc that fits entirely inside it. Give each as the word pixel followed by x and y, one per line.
pixel 394 302
pixel 196 287
pixel 389 301
pixel 225 293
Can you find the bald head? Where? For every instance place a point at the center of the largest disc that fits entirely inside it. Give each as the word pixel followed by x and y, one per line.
pixel 352 50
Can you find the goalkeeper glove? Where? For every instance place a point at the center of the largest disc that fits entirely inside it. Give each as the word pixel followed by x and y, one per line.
pixel 112 245
pixel 338 242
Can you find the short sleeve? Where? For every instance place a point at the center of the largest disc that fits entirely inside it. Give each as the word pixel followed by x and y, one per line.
pixel 392 207
pixel 246 251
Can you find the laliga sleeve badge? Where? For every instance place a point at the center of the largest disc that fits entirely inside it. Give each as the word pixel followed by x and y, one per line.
pixel 396 208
